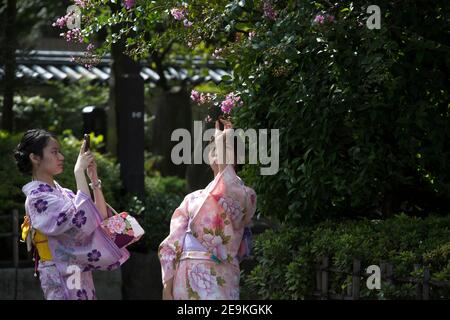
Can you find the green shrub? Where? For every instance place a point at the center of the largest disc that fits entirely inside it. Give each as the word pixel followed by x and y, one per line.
pixel 58 110
pixel 363 114
pixel 11 195
pixel 285 260
pixel 162 196
pixel 71 99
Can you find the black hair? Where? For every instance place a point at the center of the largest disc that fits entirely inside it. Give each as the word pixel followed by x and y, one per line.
pixel 33 141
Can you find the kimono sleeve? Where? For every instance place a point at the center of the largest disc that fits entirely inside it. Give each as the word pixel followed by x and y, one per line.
pixel 171 248
pixel 250 205
pixel 245 246
pixel 54 215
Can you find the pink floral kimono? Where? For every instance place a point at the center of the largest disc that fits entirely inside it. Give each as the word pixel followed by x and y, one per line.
pixel 205 244
pixel 76 242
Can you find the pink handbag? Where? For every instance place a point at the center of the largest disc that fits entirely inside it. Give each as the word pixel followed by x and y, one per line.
pixel 122 228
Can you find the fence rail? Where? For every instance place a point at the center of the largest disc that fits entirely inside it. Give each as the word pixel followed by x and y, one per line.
pixel 323 270
pixel 14 234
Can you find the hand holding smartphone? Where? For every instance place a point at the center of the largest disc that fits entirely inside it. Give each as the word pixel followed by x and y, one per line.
pixel 87 145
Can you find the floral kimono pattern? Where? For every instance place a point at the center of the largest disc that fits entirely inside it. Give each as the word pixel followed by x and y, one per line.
pixel 76 242
pixel 205 244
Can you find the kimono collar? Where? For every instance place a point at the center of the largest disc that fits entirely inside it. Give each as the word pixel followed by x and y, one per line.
pixel 228 173
pixel 37 185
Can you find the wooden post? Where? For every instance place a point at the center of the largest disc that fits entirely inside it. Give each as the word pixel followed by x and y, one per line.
pixel 418 284
pixel 389 273
pixel 386 272
pixel 319 276
pixel 356 279
pixel 349 289
pixel 9 45
pixel 324 281
pixel 15 242
pixel 127 100
pixel 426 284
pixel 383 272
pixel 15 236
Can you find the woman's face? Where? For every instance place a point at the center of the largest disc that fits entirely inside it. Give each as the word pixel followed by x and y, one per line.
pixel 52 161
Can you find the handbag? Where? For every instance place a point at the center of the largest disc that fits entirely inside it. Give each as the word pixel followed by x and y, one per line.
pixel 122 228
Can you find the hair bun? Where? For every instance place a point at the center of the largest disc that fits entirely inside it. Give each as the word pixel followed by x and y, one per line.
pixel 22 160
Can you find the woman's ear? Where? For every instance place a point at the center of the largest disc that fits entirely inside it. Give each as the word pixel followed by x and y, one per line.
pixel 35 159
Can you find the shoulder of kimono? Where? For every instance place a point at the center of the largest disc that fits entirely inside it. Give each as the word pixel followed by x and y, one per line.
pixel 42 195
pixel 29 187
pixel 250 190
pixel 193 196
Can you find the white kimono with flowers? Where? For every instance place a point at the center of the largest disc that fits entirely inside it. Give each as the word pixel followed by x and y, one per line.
pixel 203 250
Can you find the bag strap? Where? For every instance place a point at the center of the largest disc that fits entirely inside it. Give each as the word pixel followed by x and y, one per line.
pixel 111 208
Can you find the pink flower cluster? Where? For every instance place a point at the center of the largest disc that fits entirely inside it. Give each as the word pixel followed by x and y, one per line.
pixel 129 4
pixel 72 35
pixel 201 98
pixel 251 35
pixel 231 101
pixel 116 224
pixel 320 18
pixel 180 14
pixel 269 11
pixel 89 60
pixel 217 52
pixel 62 21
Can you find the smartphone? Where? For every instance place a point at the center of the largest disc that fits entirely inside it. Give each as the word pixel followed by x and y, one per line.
pixel 215 114
pixel 87 145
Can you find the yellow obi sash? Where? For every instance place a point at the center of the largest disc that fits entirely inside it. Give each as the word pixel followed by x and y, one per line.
pixel 40 240
pixel 41 243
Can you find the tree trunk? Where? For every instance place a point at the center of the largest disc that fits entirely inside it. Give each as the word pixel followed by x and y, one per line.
pixel 127 104
pixel 10 65
pixel 173 111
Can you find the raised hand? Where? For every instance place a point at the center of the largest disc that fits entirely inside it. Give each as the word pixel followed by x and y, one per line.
pixel 84 159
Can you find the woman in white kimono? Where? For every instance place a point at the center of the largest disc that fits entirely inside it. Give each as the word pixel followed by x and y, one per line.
pixel 207 240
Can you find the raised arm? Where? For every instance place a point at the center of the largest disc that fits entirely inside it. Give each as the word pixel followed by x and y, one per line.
pixel 99 198
pixel 83 161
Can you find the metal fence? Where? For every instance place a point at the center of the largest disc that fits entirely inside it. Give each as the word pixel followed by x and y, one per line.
pixel 323 271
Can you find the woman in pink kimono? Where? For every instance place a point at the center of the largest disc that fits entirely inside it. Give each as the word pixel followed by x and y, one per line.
pixel 200 257
pixel 64 226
